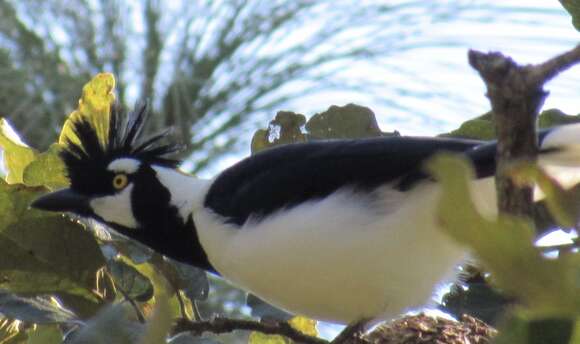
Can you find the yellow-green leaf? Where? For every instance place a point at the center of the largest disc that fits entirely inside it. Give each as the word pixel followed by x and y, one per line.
pixel 159 324
pixel 564 204
pixel 262 338
pixel 11 331
pixel 94 106
pixel 45 334
pixel 46 170
pixel 505 245
pixel 304 325
pixel 17 154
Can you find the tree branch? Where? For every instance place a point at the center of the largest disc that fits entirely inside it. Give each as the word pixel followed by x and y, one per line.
pixel 223 325
pixel 516 94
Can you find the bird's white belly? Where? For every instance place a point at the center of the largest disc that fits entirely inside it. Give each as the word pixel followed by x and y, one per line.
pixel 339 259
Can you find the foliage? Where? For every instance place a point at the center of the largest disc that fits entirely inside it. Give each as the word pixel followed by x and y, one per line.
pixel 547 289
pixel 54 271
pixel 573 7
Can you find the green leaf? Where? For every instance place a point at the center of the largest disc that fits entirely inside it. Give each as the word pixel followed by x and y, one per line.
pixel 521 329
pixel 134 284
pixel 111 325
pixel 573 7
pixel 17 154
pixel 160 323
pixel 37 310
pixel 41 252
pixel 47 169
pixel 480 128
pixel 191 280
pixel 11 331
pixel 553 117
pixel 505 245
pixel 284 129
pixel 338 122
pixel 343 122
pixel 564 204
pixel 95 106
pixel 45 334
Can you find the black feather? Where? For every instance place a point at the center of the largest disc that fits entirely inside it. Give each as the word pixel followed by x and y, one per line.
pixel 86 161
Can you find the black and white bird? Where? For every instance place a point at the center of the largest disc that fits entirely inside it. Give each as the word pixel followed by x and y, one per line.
pixel 338 230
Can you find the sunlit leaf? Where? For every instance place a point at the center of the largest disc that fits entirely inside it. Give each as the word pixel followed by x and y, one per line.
pixel 47 169
pixel 94 106
pixel 262 338
pixel 302 324
pixel 11 331
pixel 564 204
pixel 505 245
pixel 17 154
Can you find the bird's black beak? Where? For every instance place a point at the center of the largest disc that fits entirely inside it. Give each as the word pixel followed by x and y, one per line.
pixel 63 200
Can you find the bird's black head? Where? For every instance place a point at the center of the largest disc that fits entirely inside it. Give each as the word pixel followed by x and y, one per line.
pixel 129 183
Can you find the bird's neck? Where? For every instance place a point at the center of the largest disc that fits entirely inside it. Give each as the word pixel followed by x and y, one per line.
pixel 166 216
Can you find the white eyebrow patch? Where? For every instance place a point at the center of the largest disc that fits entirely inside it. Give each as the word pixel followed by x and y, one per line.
pixel 125 165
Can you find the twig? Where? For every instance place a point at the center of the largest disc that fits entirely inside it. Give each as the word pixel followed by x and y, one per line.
pixel 516 95
pixel 351 334
pixel 544 72
pixel 223 325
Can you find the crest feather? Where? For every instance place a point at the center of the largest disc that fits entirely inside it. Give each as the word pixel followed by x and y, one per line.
pixel 91 156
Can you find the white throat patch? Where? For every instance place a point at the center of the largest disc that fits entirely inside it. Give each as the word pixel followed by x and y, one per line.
pixel 116 208
pixel 124 165
pixel 187 192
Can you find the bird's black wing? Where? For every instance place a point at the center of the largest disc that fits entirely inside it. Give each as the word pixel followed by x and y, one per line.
pixel 289 175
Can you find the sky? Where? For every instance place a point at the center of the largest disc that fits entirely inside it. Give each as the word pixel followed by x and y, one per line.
pixel 431 89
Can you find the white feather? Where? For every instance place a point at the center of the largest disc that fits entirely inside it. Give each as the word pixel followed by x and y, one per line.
pixel 124 165
pixel 342 258
pixel 116 208
pixel 186 191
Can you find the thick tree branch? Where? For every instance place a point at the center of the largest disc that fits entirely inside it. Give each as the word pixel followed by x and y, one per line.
pixel 516 94
pixel 223 325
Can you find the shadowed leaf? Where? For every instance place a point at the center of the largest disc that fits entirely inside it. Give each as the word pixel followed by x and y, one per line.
pixel 42 252
pixel 37 310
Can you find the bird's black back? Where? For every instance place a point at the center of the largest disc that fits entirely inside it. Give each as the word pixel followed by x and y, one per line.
pixel 288 175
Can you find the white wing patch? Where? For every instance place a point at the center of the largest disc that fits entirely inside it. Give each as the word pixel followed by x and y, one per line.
pixel 117 208
pixel 124 165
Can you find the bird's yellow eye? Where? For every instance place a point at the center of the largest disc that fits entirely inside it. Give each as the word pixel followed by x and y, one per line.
pixel 120 181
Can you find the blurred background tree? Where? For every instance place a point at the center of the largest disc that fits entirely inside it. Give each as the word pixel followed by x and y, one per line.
pixel 208 67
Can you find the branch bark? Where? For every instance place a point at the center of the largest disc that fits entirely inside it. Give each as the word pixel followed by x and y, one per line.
pixel 223 325
pixel 516 95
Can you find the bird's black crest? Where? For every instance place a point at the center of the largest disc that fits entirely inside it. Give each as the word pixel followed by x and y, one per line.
pixel 86 162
